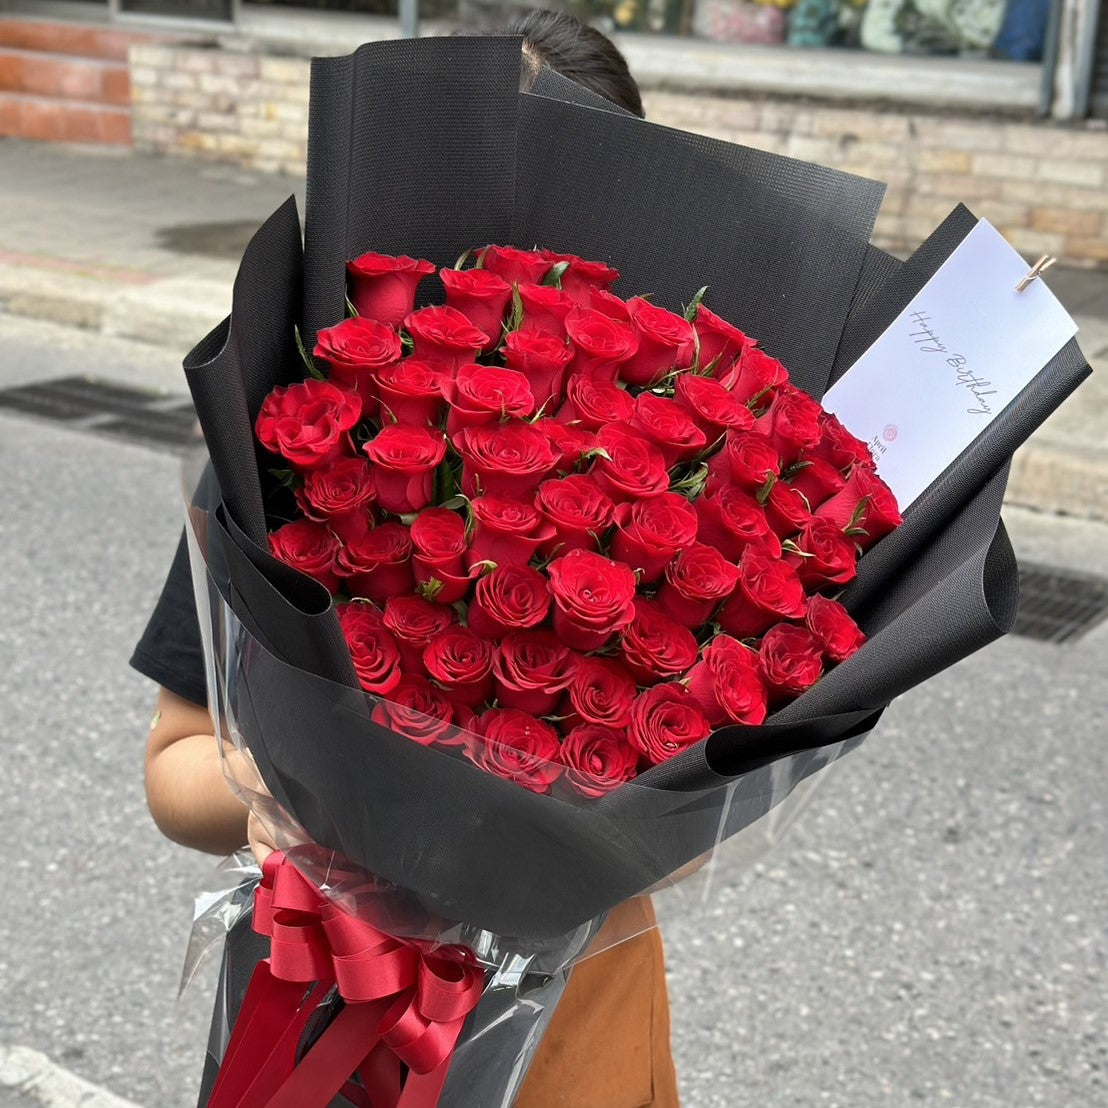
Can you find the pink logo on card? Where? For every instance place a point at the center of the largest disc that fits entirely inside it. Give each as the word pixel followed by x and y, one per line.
pixel 890 432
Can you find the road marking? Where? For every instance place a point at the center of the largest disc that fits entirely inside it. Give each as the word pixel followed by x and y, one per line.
pixel 34 1075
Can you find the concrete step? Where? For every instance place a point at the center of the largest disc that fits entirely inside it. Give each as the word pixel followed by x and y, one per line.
pixel 66 77
pixel 52 119
pixel 83 41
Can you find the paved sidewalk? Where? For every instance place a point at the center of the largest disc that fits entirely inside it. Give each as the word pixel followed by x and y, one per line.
pixel 146 248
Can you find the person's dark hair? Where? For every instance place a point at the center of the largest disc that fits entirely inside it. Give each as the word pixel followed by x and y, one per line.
pixel 577 51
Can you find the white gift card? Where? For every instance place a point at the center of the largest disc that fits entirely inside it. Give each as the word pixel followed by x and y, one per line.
pixel 950 363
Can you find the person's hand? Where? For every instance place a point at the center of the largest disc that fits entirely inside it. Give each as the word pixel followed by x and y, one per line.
pixel 260 838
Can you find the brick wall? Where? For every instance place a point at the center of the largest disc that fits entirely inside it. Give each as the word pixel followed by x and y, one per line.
pixel 1044 185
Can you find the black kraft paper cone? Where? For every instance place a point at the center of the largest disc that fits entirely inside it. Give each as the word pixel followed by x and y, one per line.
pixel 784 247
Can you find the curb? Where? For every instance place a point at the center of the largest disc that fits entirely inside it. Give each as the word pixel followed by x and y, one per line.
pixel 31 1074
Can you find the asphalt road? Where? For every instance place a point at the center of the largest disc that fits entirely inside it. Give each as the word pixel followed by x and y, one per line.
pixel 930 931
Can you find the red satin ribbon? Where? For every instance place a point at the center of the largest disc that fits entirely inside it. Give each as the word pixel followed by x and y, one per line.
pixel 405 1006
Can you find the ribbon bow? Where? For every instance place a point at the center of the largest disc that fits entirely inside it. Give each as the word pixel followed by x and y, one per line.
pixel 405 1007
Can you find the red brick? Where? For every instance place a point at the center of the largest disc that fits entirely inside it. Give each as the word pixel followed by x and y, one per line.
pixel 116 86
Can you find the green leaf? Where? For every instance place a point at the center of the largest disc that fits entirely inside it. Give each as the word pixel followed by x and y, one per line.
pixel 430 589
pixel 697 300
pixel 309 363
pixel 351 311
pixel 285 477
pixel 462 259
pixel 762 495
pixel 555 275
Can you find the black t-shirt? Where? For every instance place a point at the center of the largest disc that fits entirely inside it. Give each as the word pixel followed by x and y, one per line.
pixel 170 651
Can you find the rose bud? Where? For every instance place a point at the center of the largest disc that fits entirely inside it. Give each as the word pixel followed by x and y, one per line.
pixel 441 585
pixel 460 663
pixel 601 691
pixel 482 394
pixel 578 510
pixel 481 296
pixel 583 278
pixel 727 683
pixel 418 711
pixel 571 440
pixel 865 508
pixel 768 591
pixel 593 598
pixel 748 461
pixel 530 670
pixel 411 392
pixel 791 660
pixel 598 759
pixel 837 446
pixel 754 376
pixel 649 532
pixel 406 459
pixel 544 310
pixel 817 480
pixel 787 509
pixel 542 359
pixel 823 555
pixel 510 598
pixel 594 404
pixel 610 305
pixel 698 580
pixel 832 625
pixel 791 422
pixel 711 407
pixel 656 648
pixel 516 746
pixel 383 287
pixel 666 424
pixel 379 564
pixel 601 345
pixel 507 531
pixel 357 350
pixel 444 337
pixel 335 489
pixel 307 423
pixel 730 521
pixel 631 468
pixel 720 342
pixel 439 537
pixel 505 459
pixel 666 341
pixel 414 622
pixel 517 267
pixel 372 647
pixel 665 720
pixel 309 547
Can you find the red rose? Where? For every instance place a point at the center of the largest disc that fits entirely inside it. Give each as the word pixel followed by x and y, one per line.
pixel 791 422
pixel 378 564
pixel 730 521
pixel 818 481
pixel 414 622
pixel 579 511
pixel 666 424
pixel 754 375
pixel 357 350
pixel 838 446
pixel 649 532
pixel 826 556
pixel 791 660
pixel 336 488
pixel 481 296
pixel 727 683
pixel 510 598
pixel 593 598
pixel 787 509
pixel 309 547
pixel 720 342
pixel 508 531
pixel 517 267
pixel 610 305
pixel 411 392
pixel 601 344
pixel 665 720
pixel 594 404
pixel 544 310
pixel 598 759
pixel 307 423
pixel 506 459
pixel 530 670
pixel 482 394
pixel 372 647
pixel 666 341
pixel 865 508
pixel 541 358
pixel 831 624
pixel 710 406
pixel 460 663
pixel 439 538
pixel 748 461
pixel 406 459
pixel 656 648
pixel 383 287
pixel 516 746
pixel 768 591
pixel 440 584
pixel 601 691
pixel 444 337
pixel 583 278
pixel 630 467
pixel 418 711
pixel 698 580
pixel 571 440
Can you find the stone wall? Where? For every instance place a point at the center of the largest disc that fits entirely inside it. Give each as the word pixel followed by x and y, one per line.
pixel 1043 184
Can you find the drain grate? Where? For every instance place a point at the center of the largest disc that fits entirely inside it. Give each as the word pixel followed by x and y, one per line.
pixel 1058 605
pixel 88 404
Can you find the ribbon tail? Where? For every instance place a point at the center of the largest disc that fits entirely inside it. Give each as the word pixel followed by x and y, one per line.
pixel 422 1090
pixel 382 1077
